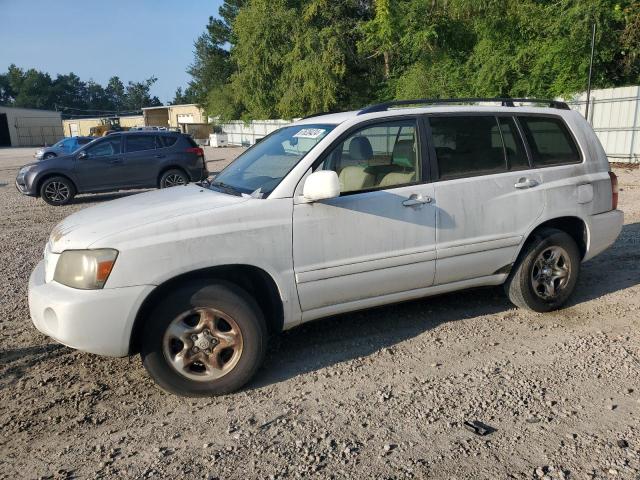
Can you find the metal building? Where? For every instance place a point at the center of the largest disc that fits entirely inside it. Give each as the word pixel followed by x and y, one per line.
pixel 27 127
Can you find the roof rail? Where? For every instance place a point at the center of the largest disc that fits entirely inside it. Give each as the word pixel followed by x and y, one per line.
pixel 319 114
pixel 506 102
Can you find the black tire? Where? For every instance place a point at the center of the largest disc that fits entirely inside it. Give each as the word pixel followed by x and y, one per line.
pixel 523 286
pixel 57 191
pixel 49 155
pixel 224 297
pixel 173 178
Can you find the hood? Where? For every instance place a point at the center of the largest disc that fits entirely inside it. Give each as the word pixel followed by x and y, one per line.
pixel 87 226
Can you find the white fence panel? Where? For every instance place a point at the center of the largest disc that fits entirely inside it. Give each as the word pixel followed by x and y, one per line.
pixel 614 114
pixel 246 134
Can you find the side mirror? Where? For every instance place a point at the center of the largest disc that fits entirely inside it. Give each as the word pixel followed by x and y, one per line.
pixel 321 186
pixel 82 155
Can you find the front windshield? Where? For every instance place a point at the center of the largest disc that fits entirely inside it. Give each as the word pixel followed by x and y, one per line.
pixel 61 143
pixel 261 168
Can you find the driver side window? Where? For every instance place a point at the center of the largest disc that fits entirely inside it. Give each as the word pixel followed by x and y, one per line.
pixel 105 148
pixel 379 156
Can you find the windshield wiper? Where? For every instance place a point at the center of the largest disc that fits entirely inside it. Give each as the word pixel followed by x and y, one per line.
pixel 225 187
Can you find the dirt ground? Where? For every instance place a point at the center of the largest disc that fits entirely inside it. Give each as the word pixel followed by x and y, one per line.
pixel 376 394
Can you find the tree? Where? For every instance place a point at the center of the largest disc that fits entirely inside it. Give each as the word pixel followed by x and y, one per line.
pixel 181 98
pixel 137 95
pixel 116 93
pixel 212 66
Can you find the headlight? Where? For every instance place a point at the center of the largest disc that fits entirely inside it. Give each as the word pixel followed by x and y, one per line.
pixel 23 171
pixel 85 269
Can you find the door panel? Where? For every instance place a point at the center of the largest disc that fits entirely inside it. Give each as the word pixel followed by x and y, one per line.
pixel 363 245
pixel 102 168
pixel 481 222
pixel 141 159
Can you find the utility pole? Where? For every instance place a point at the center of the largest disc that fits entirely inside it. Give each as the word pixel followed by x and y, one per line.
pixel 593 46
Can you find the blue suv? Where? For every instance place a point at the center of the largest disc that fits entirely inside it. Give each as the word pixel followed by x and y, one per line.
pixel 116 162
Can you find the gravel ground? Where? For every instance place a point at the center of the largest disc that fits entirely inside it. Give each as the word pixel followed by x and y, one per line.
pixel 375 394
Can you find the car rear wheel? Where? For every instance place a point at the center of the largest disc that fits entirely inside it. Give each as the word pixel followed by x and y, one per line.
pixel 204 340
pixel 57 191
pixel 173 178
pixel 546 272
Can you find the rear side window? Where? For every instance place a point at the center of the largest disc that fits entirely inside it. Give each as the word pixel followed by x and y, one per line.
pixel 137 143
pixel 467 145
pixel 549 141
pixel 168 140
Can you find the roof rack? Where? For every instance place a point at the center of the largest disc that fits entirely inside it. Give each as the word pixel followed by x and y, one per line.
pixel 505 102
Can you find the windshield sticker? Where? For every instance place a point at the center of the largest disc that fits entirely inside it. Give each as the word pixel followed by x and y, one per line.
pixel 309 133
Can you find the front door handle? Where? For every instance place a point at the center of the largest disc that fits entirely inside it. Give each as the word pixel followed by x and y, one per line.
pixel 416 200
pixel 526 183
pixel 115 161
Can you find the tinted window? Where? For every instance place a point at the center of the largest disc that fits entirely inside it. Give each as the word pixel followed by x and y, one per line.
pixel 516 154
pixel 467 146
pixel 83 141
pixel 137 143
pixel 191 141
pixel 105 147
pixel 379 156
pixel 549 141
pixel 168 140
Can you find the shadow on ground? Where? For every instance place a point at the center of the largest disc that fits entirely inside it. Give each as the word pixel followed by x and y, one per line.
pixel 337 339
pixel 20 360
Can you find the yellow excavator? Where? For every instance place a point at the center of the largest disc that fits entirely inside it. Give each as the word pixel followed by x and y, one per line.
pixel 107 125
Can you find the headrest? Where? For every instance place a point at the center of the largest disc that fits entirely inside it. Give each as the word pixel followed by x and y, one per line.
pixel 360 148
pixel 404 154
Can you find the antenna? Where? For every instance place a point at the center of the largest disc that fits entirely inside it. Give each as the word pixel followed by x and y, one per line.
pixel 593 46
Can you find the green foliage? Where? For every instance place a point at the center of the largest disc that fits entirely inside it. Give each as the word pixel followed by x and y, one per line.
pixel 289 58
pixel 68 93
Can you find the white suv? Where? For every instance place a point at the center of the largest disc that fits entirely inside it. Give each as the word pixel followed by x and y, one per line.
pixel 331 214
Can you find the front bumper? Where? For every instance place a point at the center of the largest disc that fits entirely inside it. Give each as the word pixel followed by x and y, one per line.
pixel 604 229
pixel 24 189
pixel 95 321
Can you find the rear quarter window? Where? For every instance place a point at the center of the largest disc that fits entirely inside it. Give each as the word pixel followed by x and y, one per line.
pixel 168 140
pixel 549 141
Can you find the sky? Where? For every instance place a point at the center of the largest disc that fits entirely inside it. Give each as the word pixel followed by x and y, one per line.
pixel 133 39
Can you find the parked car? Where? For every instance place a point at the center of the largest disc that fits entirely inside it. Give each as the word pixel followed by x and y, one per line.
pixel 63 147
pixel 331 214
pixel 119 161
pixel 147 128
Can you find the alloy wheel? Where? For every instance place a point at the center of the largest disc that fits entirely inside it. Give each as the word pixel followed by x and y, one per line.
pixel 57 192
pixel 551 272
pixel 174 180
pixel 203 344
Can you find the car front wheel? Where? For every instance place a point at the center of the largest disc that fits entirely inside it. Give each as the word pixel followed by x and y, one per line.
pixel 57 191
pixel 204 340
pixel 546 272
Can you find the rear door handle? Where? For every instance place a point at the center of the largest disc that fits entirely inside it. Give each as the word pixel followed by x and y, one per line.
pixel 416 200
pixel 526 183
pixel 159 156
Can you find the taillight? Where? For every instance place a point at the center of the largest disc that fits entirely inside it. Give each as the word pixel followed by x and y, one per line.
pixel 614 190
pixel 196 150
